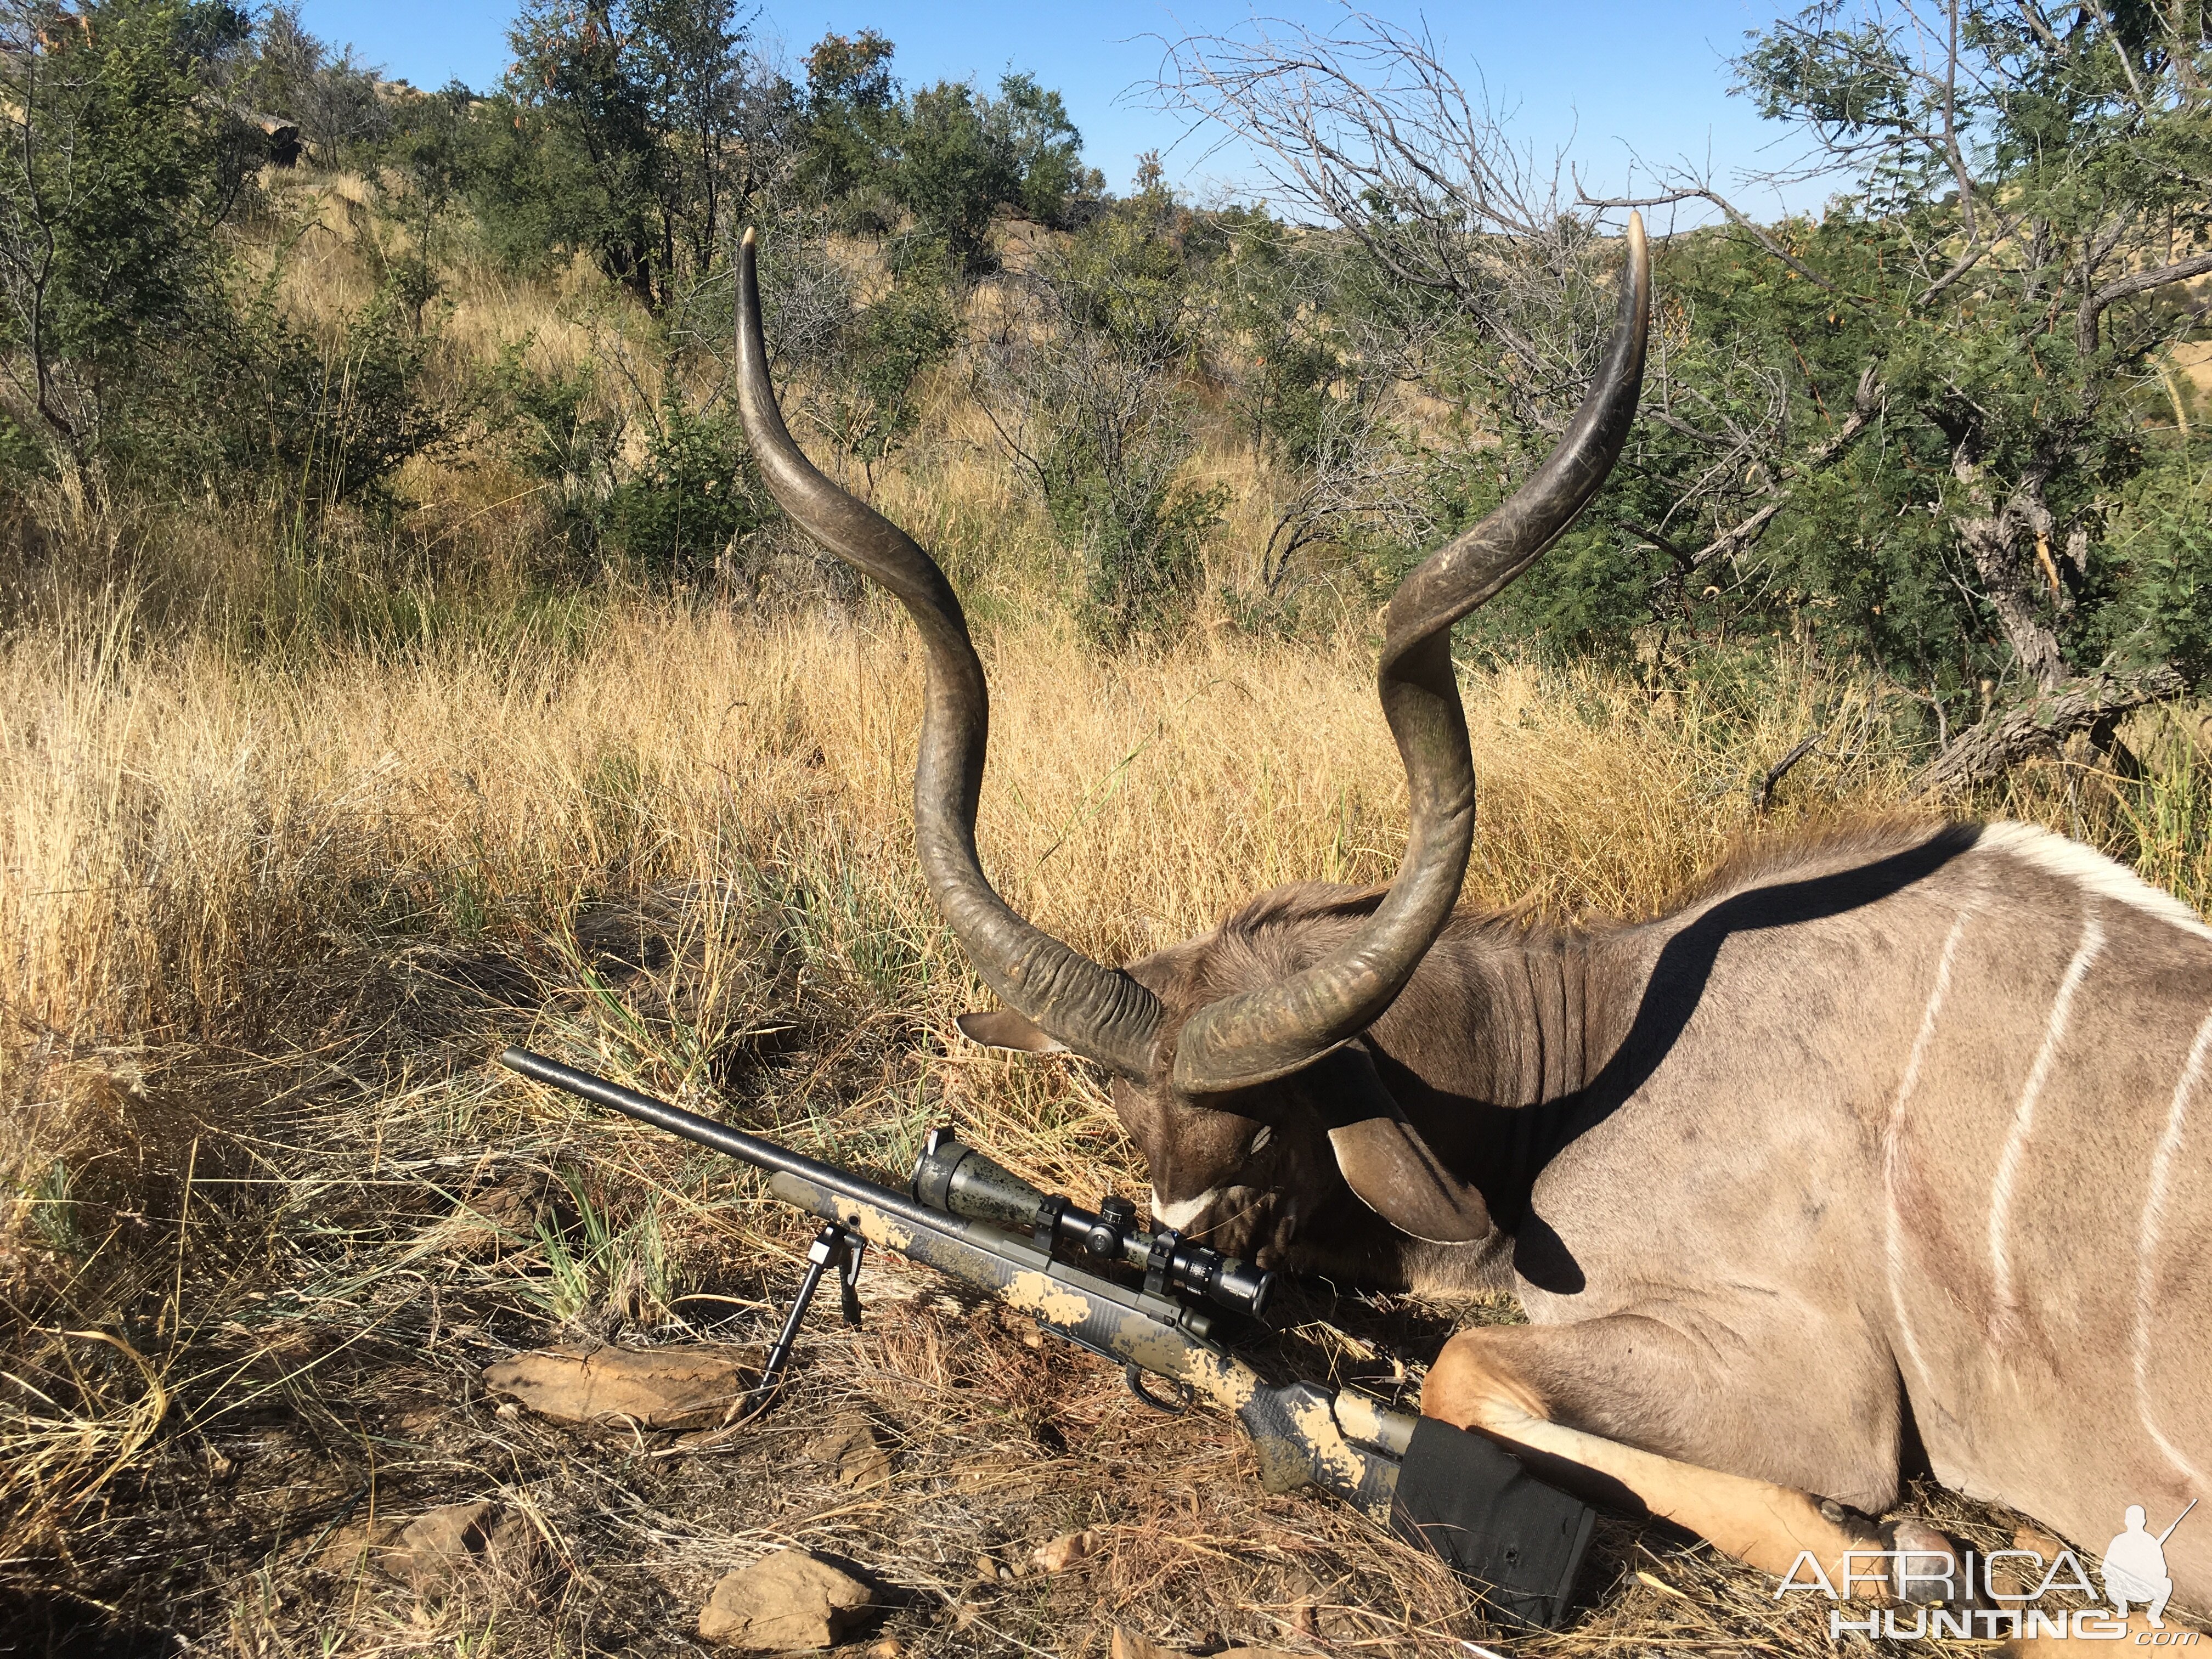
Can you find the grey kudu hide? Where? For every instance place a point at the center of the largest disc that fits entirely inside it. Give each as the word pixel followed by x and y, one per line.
pixel 1882 1149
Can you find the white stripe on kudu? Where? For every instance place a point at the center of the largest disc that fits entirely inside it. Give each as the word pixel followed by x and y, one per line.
pixel 1894 1134
pixel 2090 870
pixel 2023 1122
pixel 2154 1218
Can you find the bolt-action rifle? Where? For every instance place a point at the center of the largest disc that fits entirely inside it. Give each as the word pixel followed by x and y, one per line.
pixel 1463 1496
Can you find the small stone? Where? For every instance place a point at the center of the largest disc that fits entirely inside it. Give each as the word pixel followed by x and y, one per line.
pixel 853 1444
pixel 684 1386
pixel 987 1570
pixel 435 1548
pixel 508 1412
pixel 785 1601
pixel 1064 1551
pixel 497 1219
pixel 889 1647
pixel 352 1547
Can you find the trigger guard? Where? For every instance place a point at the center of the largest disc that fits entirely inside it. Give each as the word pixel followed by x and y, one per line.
pixel 1135 1378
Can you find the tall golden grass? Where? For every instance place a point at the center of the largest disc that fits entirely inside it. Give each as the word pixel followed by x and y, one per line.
pixel 201 847
pixel 184 827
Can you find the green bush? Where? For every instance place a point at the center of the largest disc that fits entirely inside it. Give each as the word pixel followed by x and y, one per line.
pixel 548 433
pixel 117 176
pixel 1088 396
pixel 681 509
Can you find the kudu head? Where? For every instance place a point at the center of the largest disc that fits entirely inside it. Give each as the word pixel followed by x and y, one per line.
pixel 1233 1076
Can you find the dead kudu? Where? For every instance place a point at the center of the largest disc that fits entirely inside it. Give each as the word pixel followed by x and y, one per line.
pixel 1880 1148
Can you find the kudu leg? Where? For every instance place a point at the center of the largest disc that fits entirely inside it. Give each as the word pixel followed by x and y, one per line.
pixel 1493 1380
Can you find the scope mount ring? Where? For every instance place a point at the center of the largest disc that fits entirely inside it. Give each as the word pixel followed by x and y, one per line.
pixel 1134 1376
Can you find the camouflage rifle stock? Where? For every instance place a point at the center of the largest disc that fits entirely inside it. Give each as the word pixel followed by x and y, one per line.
pixel 1461 1496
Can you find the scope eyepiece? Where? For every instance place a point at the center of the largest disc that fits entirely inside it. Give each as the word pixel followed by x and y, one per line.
pixel 960 1181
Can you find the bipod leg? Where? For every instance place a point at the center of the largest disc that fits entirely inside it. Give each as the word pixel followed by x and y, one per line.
pixel 849 1278
pixel 832 1244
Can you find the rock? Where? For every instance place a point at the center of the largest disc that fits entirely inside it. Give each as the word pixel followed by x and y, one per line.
pixel 785 1601
pixel 686 1386
pixel 498 1218
pixel 853 1444
pixel 1064 1551
pixel 363 1544
pixel 435 1547
pixel 988 1571
pixel 438 1546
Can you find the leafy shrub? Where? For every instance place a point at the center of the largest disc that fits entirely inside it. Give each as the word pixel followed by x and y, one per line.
pixel 550 434
pixel 1086 395
pixel 886 349
pixel 680 510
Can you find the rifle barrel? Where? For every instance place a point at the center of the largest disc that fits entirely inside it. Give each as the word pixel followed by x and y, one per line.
pixel 721 1138
pixel 2178 1520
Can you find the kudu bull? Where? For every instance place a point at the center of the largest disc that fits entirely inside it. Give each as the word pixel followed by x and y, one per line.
pixel 1883 1148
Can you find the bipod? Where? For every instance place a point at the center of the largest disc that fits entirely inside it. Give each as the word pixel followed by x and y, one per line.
pixel 833 1245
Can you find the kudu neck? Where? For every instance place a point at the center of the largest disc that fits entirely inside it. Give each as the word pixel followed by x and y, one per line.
pixel 1490 1049
pixel 1501 1015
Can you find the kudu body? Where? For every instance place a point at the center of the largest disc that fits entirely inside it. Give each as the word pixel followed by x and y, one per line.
pixel 1882 1148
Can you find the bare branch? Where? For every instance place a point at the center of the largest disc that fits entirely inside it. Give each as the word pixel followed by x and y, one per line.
pixel 1736 217
pixel 2141 282
pixel 1866 402
pixel 2041 726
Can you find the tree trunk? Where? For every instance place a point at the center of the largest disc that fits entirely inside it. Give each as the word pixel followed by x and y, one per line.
pixel 1992 538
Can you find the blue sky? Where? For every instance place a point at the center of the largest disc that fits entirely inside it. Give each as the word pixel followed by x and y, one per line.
pixel 1604 78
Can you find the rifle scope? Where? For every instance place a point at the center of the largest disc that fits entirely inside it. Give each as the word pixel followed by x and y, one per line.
pixel 960 1181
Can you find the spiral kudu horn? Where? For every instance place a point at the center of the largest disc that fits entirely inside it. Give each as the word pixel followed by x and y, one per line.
pixel 1099 1012
pixel 1276 1029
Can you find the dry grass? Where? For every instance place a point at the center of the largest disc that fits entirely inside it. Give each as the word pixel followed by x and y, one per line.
pixel 183 822
pixel 267 920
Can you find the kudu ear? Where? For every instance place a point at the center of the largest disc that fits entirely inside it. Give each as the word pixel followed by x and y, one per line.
pixel 1395 1173
pixel 1002 1028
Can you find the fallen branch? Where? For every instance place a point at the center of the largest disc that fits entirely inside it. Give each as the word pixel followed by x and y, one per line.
pixel 2041 726
pixel 1762 797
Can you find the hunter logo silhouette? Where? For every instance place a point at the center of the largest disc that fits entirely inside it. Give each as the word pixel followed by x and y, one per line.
pixel 2135 1566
